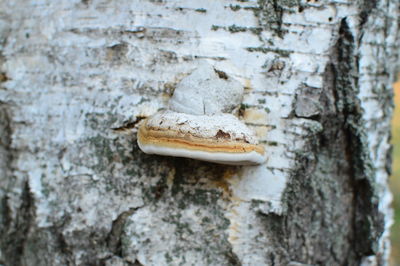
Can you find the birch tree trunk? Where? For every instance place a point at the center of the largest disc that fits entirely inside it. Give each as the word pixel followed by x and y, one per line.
pixel 75 191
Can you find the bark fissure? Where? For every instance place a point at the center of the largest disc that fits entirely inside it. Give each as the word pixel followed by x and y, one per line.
pixel 6 218
pixel 368 222
pixel 335 167
pixel 17 234
pixel 114 238
pixel 13 229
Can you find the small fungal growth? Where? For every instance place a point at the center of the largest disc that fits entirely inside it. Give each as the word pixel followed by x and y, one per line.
pixel 198 126
pixel 206 91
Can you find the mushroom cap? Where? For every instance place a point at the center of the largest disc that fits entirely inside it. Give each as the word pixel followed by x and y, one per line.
pixel 206 91
pixel 219 138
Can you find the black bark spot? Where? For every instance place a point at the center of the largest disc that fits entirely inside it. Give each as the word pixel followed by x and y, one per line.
pixel 3 77
pixel 221 74
pixel 366 7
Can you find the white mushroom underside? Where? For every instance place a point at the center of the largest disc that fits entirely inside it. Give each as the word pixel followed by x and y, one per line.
pixel 247 158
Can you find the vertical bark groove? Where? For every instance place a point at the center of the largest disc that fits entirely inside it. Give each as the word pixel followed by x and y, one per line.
pixel 368 222
pixel 337 165
pixel 6 218
pixel 17 234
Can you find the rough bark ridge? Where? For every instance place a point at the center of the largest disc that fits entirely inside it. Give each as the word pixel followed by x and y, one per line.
pixel 77 76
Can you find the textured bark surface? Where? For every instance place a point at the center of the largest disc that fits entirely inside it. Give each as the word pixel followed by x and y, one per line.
pixel 77 76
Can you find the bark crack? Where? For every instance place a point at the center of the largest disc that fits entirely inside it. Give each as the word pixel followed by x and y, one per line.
pixel 335 165
pixel 10 229
pixel 368 222
pixel 16 235
pixel 114 238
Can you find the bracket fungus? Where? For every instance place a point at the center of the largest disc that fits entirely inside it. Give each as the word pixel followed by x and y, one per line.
pixel 198 125
pixel 206 91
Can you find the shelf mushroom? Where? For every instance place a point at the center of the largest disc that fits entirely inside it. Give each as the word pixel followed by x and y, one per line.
pixel 218 138
pixel 199 125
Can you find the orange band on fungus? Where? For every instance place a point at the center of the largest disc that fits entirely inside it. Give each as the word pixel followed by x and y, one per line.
pixel 174 139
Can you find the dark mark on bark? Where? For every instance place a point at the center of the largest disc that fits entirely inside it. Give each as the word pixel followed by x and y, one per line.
pixel 270 14
pixel 366 7
pixel 86 2
pixel 16 234
pixel 201 10
pixel 3 77
pixel 221 74
pixel 114 237
pixel 117 52
pixel 368 221
pixel 14 231
pixel 232 258
pixel 334 167
pixel 130 125
pixel 265 50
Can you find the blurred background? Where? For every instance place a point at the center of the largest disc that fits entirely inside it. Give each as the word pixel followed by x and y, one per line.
pixel 395 179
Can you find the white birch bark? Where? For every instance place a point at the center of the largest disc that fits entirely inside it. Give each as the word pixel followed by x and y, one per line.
pixel 318 76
